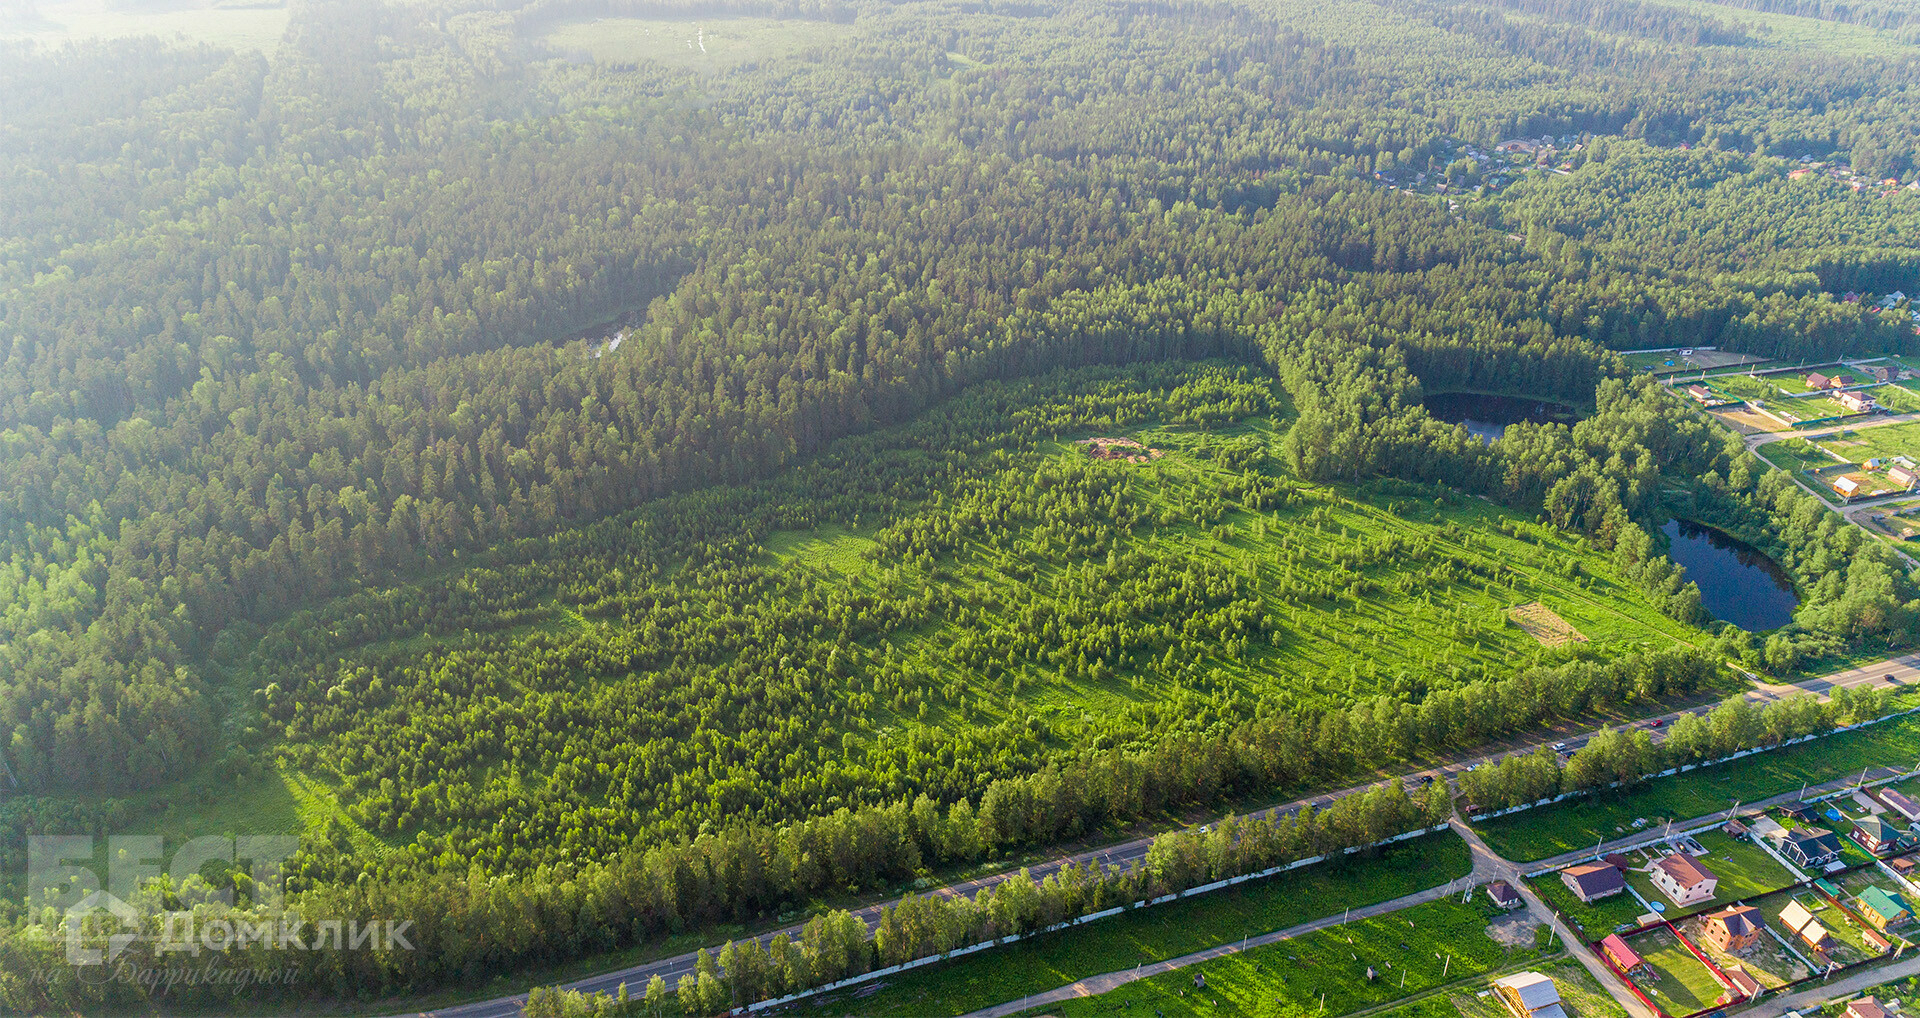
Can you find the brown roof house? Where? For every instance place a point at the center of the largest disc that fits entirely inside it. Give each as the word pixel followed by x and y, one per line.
pixel 1745 987
pixel 1866 1007
pixel 1855 402
pixel 1816 380
pixel 1593 881
pixel 1683 880
pixel 1504 895
pixel 1897 801
pixel 1734 929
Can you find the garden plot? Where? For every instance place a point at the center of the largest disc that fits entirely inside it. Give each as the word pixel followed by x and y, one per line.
pixel 1593 921
pixel 1673 977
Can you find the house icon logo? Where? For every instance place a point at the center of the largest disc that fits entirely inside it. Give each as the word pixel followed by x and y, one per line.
pixel 80 949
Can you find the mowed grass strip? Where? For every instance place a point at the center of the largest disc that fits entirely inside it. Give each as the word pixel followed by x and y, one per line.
pixel 1164 931
pixel 1678 981
pixel 1578 823
pixel 1445 943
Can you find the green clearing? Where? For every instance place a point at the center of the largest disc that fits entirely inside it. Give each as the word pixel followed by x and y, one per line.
pixel 1676 980
pixel 1164 931
pixel 1792 32
pixel 1745 869
pixel 693 43
pixel 1289 977
pixel 1594 920
pixel 251 26
pixel 1579 991
pixel 1796 455
pixel 1577 824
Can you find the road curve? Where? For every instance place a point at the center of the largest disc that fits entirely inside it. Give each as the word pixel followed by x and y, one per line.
pixel 1902 670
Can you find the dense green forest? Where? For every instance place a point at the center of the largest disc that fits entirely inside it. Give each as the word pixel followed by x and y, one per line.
pixel 318 466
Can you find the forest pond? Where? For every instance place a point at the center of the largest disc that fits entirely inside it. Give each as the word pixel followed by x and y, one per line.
pixel 1488 416
pixel 1738 584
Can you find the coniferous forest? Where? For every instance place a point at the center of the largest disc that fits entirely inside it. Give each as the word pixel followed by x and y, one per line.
pixel 593 495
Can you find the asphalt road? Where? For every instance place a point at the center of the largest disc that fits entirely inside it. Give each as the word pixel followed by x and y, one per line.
pixel 1902 670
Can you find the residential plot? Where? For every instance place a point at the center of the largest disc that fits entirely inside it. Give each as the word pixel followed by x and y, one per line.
pixel 1596 919
pixel 1744 868
pixel 1676 980
pixel 1838 938
pixel 1768 959
pixel 1579 992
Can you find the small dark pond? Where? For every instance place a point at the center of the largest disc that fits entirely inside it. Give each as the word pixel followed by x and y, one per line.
pixel 1488 416
pixel 1738 584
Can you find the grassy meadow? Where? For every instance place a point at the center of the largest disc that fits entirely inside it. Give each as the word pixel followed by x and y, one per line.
pixel 1164 931
pixel 1411 951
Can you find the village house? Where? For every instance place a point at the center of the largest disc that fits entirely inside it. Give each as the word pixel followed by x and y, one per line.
pixel 1903 866
pixel 1593 881
pixel 1904 478
pixel 1855 402
pixel 1809 846
pixel 1797 919
pixel 1846 486
pixel 1882 909
pixel 1880 372
pixel 1736 829
pixel 1805 812
pixel 1734 929
pixel 1505 895
pixel 1530 995
pixel 1816 380
pixel 1895 800
pixel 1683 880
pixel 1876 835
pixel 1623 957
pixel 1701 393
pixel 1866 1007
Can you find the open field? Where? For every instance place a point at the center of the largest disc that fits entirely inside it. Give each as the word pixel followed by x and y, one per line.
pixel 1579 991
pixel 1699 360
pixel 1861 444
pixel 1793 33
pixel 1675 979
pixel 1446 938
pixel 1575 824
pixel 255 26
pixel 695 43
pixel 1797 454
pixel 1164 931
pixel 1540 622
